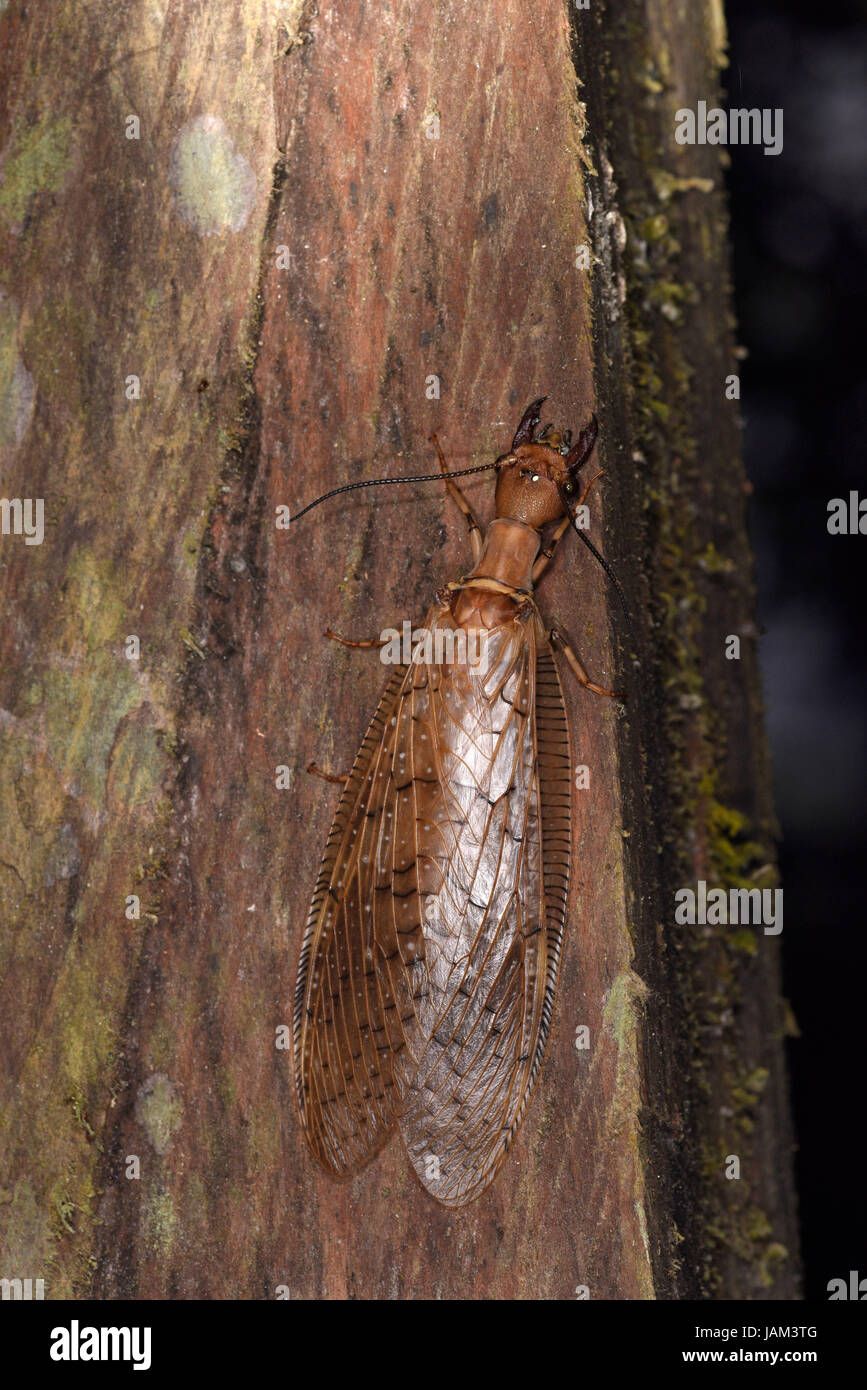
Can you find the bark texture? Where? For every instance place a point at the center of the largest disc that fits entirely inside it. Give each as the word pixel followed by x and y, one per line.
pixel 284 256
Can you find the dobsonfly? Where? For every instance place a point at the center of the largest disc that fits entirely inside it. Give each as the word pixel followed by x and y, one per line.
pixel 429 964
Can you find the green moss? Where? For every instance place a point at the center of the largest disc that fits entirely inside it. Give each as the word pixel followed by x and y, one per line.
pixel 65 1210
pixel 653 228
pixel 192 643
pixel 229 440
pixel 712 562
pixel 38 162
pixel 666 184
pixel 649 83
pixel 669 297
pixel 736 856
pixel 76 1103
pixel 162 1221
pixel 750 1238
pixel 770 1258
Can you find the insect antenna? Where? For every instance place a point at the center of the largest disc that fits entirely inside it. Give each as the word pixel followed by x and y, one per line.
pixel 381 482
pixel 603 562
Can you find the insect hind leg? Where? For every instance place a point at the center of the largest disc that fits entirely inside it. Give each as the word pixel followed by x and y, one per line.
pixel 558 641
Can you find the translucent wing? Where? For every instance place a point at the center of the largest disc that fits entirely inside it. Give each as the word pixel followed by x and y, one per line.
pixel 428 969
pixel 492 870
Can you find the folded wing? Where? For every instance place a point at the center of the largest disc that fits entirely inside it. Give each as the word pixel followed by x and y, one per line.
pixel 430 959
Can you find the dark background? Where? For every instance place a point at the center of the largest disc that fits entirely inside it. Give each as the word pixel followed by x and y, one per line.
pixel 800 243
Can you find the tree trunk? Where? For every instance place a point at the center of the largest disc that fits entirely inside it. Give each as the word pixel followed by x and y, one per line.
pixel 284 253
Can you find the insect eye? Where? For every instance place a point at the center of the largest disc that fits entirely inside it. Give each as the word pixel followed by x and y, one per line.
pixel 534 477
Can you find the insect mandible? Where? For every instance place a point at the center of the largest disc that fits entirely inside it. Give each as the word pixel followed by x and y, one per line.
pixel 429 963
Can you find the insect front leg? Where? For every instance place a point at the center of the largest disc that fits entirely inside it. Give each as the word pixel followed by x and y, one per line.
pixel 474 527
pixel 558 641
pixel 546 556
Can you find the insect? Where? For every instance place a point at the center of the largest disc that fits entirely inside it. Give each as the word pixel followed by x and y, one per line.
pixel 429 963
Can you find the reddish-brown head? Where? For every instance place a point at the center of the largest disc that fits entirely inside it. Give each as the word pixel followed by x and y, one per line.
pixel 531 475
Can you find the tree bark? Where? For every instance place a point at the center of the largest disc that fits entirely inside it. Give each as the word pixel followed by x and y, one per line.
pixel 284 256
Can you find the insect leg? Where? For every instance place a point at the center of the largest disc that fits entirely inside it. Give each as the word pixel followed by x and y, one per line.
pixel 558 641
pixel 328 776
pixel 343 778
pixel 347 641
pixel 583 498
pixel 546 556
pixel 474 527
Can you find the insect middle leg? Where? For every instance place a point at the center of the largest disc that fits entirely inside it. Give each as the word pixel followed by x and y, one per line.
pixel 557 640
pixel 342 777
pixel 348 642
pixel 474 527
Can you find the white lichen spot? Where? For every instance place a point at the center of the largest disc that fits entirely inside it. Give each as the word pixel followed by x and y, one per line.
pixel 64 857
pixel 214 186
pixel 158 1109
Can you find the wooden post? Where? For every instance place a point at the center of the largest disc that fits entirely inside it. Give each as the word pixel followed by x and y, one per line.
pixel 250 258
